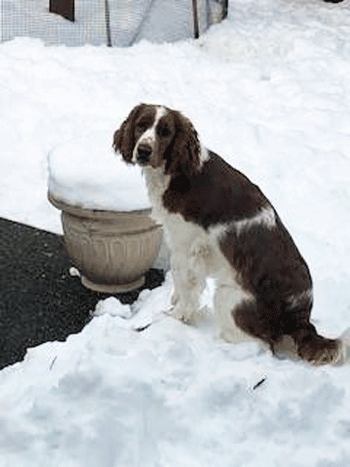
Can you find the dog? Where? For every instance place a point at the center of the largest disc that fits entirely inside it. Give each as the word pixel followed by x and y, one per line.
pixel 218 223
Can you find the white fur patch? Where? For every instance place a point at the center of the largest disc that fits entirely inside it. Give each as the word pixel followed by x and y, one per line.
pixel 296 299
pixel 265 218
pixel 204 154
pixel 149 136
pixel 157 183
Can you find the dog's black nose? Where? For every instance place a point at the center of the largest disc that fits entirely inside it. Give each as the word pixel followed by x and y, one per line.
pixel 144 152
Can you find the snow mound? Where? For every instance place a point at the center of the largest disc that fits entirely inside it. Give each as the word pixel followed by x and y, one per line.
pixel 168 395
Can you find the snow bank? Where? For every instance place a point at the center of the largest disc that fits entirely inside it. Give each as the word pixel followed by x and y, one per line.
pixel 168 396
pixel 87 172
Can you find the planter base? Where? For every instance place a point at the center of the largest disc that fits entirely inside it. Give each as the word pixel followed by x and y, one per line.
pixel 113 288
pixel 113 250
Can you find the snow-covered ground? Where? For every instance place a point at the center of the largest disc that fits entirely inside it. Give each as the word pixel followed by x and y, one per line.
pixel 268 89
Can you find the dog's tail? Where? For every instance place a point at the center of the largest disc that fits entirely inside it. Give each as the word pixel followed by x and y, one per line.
pixel 319 350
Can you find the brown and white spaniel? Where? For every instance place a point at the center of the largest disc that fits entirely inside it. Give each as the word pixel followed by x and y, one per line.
pixel 219 224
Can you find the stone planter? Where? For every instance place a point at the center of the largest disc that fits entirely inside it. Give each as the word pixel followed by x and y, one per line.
pixel 112 250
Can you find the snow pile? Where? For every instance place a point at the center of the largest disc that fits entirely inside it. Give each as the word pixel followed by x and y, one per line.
pixel 269 90
pixel 168 396
pixel 87 172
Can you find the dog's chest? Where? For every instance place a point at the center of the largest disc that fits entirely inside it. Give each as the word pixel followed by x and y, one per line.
pixel 157 183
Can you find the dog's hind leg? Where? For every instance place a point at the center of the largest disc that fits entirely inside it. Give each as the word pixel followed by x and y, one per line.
pixel 229 296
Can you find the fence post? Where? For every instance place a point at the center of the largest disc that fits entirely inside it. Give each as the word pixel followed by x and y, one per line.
pixel 225 9
pixel 195 18
pixel 108 24
pixel 64 8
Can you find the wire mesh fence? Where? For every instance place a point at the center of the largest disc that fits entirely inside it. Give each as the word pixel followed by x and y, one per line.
pixel 110 22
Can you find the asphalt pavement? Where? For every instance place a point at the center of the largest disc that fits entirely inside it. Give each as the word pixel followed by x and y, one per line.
pixel 39 300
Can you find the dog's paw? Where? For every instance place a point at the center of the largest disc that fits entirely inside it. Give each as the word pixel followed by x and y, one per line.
pixel 181 312
pixel 234 335
pixel 226 336
pixel 344 348
pixel 174 299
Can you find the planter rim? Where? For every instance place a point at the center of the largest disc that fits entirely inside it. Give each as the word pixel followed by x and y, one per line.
pixel 88 212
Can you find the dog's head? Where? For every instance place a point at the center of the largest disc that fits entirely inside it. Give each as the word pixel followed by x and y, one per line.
pixel 156 136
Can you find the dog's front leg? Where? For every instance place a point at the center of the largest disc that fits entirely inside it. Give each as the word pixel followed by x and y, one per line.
pixel 189 282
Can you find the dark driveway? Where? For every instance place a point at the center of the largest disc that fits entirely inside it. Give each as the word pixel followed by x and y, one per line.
pixel 39 300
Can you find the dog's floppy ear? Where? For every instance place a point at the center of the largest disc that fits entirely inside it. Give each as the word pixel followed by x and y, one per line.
pixel 182 156
pixel 124 137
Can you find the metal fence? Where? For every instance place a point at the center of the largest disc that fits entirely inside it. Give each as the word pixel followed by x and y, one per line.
pixel 111 22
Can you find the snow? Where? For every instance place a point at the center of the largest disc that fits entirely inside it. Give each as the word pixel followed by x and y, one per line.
pixel 86 172
pixel 268 89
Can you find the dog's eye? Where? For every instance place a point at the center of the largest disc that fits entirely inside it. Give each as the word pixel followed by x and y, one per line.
pixel 141 126
pixel 165 132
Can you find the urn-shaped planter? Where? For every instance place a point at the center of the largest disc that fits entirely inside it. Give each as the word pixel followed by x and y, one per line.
pixel 108 231
pixel 112 249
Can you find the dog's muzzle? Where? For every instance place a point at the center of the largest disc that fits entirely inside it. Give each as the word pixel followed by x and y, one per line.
pixel 144 152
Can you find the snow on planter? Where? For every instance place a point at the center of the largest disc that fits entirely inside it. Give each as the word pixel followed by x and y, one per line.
pixel 86 172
